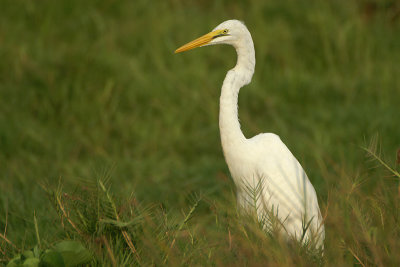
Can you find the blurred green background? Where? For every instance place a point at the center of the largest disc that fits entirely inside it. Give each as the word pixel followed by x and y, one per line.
pixel 88 87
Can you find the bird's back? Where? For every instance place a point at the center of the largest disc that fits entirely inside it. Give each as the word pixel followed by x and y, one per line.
pixel 286 190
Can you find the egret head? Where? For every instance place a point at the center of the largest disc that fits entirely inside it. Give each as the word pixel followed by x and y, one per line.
pixel 228 32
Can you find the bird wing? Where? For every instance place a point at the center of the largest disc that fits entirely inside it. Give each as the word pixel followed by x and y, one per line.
pixel 286 187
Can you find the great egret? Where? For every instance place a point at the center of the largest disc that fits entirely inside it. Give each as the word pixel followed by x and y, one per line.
pixel 264 159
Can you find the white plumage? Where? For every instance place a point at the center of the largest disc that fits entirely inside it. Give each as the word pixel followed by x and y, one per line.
pixel 264 159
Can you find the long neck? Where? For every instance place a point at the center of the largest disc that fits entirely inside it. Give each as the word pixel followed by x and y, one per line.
pixel 236 78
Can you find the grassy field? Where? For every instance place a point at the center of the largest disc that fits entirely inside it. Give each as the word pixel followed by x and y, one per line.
pixel 112 140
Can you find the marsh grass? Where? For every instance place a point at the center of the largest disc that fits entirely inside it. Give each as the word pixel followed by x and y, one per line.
pixel 87 86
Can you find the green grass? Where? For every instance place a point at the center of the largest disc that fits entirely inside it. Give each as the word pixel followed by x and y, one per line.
pixel 92 90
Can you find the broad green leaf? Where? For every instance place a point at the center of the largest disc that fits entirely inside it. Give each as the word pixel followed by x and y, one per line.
pixel 52 258
pixel 15 262
pixel 73 253
pixel 27 254
pixel 31 262
pixel 26 258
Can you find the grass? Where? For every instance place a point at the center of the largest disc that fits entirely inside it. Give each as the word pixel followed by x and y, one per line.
pixel 91 90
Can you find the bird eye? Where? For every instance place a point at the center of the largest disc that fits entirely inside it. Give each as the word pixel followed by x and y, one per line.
pixel 225 31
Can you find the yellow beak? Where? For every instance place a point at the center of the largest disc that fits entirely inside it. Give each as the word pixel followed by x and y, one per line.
pixel 203 40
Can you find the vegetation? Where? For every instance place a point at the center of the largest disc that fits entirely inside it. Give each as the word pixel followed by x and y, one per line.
pixel 109 140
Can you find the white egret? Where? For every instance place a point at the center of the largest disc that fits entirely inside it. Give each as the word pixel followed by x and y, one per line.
pixel 286 190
